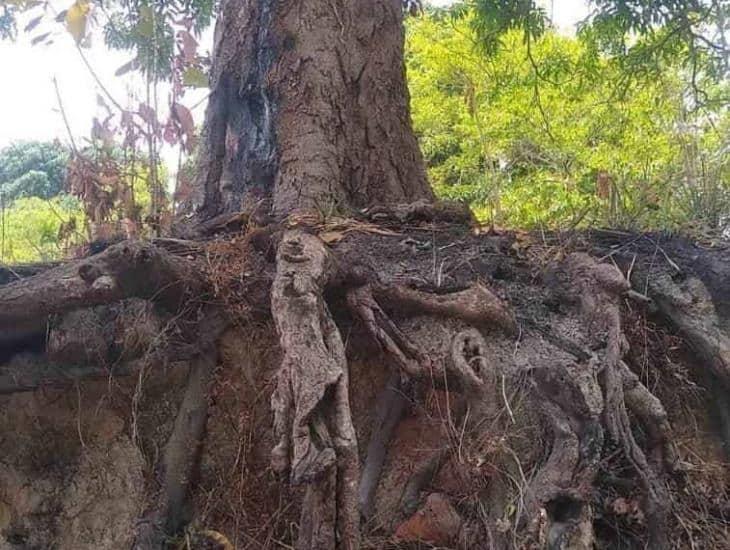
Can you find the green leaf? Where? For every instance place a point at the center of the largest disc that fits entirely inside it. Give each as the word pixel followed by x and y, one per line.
pixel 194 77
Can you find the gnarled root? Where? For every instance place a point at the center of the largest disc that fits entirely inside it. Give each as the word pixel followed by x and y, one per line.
pixel 651 413
pixel 477 305
pixel 688 306
pixel 599 288
pixel 572 403
pixel 465 367
pixel 312 419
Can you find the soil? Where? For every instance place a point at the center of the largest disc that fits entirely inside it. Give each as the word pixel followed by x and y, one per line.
pixel 80 461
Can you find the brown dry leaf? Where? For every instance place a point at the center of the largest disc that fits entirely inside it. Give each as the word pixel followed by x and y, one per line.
pixel 620 506
pixel 218 538
pixel 331 237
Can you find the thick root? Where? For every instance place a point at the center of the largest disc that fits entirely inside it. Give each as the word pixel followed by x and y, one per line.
pixel 688 306
pixel 423 211
pixel 312 419
pixel 558 499
pixel 180 458
pixel 389 410
pixel 128 269
pixel 464 369
pixel 600 287
pixel 476 305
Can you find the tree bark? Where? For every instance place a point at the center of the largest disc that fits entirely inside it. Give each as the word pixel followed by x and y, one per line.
pixel 309 110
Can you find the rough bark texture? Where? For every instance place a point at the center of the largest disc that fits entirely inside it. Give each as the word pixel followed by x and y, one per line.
pixel 308 110
pixel 312 420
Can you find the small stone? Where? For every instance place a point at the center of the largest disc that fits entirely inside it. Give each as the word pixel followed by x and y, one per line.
pixel 435 523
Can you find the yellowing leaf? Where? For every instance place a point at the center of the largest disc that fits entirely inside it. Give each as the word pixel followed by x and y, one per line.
pixel 76 18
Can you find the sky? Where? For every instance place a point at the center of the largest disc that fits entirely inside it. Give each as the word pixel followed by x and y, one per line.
pixel 29 104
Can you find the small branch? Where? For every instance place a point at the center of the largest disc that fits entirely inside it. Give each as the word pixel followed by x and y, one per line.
pixel 63 115
pixel 98 80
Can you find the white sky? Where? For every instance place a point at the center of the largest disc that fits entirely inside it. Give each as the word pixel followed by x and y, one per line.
pixel 28 104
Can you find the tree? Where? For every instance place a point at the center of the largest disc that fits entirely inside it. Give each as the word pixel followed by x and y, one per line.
pixel 308 147
pixel 351 147
pixel 32 169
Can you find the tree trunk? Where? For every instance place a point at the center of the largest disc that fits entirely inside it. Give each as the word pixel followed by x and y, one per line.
pixel 308 111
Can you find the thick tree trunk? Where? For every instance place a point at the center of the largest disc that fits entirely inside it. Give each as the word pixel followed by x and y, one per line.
pixel 309 110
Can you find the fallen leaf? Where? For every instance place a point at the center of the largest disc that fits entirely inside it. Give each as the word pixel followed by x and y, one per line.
pixel 331 237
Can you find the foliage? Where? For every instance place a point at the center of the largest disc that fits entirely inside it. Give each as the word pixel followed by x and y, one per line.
pixel 150 28
pixel 34 229
pixel 32 169
pixel 542 139
pixel 641 35
pixel 115 190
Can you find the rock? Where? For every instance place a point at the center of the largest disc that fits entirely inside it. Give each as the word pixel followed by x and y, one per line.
pixel 435 523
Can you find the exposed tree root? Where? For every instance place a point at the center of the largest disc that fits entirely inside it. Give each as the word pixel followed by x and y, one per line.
pixel 389 409
pixel 476 305
pixel 572 403
pixel 466 368
pixel 52 376
pixel 599 288
pixel 581 387
pixel 180 459
pixel 386 333
pixel 422 211
pixel 128 269
pixel 419 480
pixel 688 306
pixel 651 413
pixel 312 419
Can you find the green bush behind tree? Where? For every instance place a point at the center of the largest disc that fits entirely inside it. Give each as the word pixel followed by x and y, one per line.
pixel 546 133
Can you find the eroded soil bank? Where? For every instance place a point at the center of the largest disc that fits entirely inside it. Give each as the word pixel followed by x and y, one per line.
pixel 504 390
